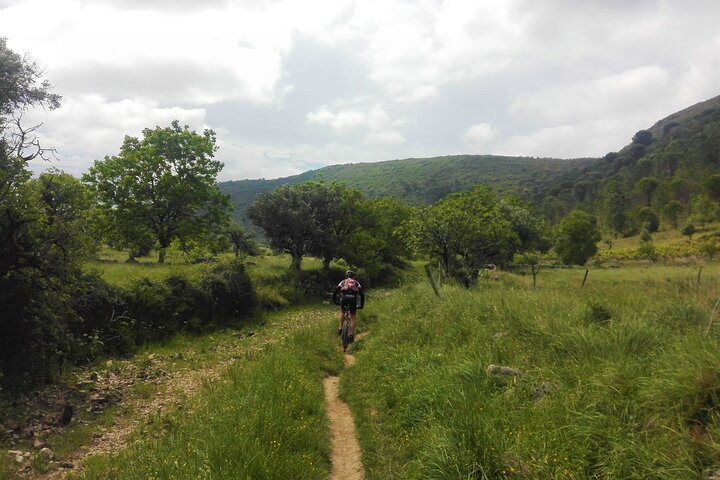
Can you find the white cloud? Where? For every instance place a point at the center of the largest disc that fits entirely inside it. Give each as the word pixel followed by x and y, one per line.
pixel 90 127
pixel 479 136
pixel 400 78
pixel 627 91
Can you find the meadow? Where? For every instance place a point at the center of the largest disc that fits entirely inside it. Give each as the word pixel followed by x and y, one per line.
pixel 617 379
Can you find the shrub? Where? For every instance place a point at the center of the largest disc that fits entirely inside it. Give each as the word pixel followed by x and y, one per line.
pixel 229 290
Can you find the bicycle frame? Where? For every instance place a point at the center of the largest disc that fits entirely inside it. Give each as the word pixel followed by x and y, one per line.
pixel 345 331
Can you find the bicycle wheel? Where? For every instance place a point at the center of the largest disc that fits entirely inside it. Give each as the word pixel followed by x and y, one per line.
pixel 345 334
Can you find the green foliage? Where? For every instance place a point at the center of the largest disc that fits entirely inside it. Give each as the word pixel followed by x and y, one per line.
pixel 467 231
pixel 424 181
pixel 241 241
pixel 647 219
pixel 331 221
pixel 643 137
pixel 610 387
pixel 577 237
pixel 162 186
pixel 22 84
pixel 672 211
pixel 647 187
pixel 688 230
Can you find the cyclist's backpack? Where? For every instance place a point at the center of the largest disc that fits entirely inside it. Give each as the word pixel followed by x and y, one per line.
pixel 350 285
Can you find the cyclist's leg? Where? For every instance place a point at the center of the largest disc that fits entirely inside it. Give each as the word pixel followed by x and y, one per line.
pixel 340 320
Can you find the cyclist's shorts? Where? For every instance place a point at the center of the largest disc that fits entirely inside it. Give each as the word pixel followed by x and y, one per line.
pixel 349 300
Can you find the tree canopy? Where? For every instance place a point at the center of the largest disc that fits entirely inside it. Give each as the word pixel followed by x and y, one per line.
pixel 163 185
pixel 577 238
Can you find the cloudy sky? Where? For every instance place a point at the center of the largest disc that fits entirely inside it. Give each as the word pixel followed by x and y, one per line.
pixel 294 85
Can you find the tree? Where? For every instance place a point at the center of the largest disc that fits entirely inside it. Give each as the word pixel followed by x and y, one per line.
pixel 688 230
pixel 42 238
pixel 647 219
pixel 647 187
pixel 614 206
pixel 577 237
pixel 163 185
pixel 241 240
pixel 285 214
pixel 712 187
pixel 709 247
pixel 672 211
pixel 704 210
pixel 643 137
pixel 463 233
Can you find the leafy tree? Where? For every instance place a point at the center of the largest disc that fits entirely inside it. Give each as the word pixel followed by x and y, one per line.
pixel 682 191
pixel 704 210
pixel 283 214
pixel 643 137
pixel 162 185
pixel 241 240
pixel 615 205
pixel 647 187
pixel 688 230
pixel 577 238
pixel 463 233
pixel 379 242
pixel 712 187
pixel 647 219
pixel 710 248
pixel 42 238
pixel 672 212
pixel 530 231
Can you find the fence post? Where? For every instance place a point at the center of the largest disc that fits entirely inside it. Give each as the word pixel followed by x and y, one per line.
pixel 585 277
pixel 432 281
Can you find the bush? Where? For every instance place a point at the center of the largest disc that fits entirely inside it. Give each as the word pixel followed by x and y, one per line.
pixel 229 290
pixel 101 326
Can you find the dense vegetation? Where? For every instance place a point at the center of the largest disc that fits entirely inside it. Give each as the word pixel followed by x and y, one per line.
pixel 618 379
pixel 421 181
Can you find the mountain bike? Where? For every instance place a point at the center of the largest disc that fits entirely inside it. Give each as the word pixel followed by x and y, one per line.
pixel 345 330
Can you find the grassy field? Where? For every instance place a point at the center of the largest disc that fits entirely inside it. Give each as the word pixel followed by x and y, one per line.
pixel 264 419
pixel 613 380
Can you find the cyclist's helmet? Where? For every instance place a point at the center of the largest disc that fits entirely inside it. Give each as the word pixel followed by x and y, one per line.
pixel 349 274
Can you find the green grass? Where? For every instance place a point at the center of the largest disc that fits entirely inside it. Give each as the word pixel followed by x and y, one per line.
pixel 635 395
pixel 264 420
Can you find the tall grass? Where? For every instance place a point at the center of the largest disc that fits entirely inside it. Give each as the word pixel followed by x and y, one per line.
pixel 266 420
pixel 617 379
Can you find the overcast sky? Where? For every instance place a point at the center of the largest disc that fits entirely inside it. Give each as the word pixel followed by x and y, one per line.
pixel 295 85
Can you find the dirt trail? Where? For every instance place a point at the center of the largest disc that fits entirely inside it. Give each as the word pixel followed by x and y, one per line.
pixel 176 389
pixel 345 456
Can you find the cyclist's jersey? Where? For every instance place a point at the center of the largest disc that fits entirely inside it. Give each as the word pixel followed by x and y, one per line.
pixel 349 294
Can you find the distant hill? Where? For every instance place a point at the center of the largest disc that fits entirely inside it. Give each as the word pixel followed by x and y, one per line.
pixel 684 146
pixel 423 180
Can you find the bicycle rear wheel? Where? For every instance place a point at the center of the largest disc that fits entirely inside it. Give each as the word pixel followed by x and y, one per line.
pixel 345 334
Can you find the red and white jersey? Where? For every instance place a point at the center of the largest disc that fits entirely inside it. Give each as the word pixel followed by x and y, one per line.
pixel 349 285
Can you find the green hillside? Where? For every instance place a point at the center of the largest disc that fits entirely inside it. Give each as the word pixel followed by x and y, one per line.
pixel 423 180
pixel 679 151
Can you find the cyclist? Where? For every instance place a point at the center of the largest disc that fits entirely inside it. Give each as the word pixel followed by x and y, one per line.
pixel 346 294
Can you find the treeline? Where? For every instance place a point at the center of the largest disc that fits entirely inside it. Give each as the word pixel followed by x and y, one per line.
pixel 668 174
pixel 462 234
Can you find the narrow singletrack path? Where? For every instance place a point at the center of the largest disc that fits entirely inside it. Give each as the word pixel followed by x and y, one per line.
pixel 345 456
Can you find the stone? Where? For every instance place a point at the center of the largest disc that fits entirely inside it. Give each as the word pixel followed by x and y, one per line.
pixel 541 391
pixel 46 454
pixel 503 375
pixel 38 444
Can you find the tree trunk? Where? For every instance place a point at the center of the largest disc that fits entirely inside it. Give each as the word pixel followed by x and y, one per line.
pixel 161 254
pixel 326 263
pixel 296 259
